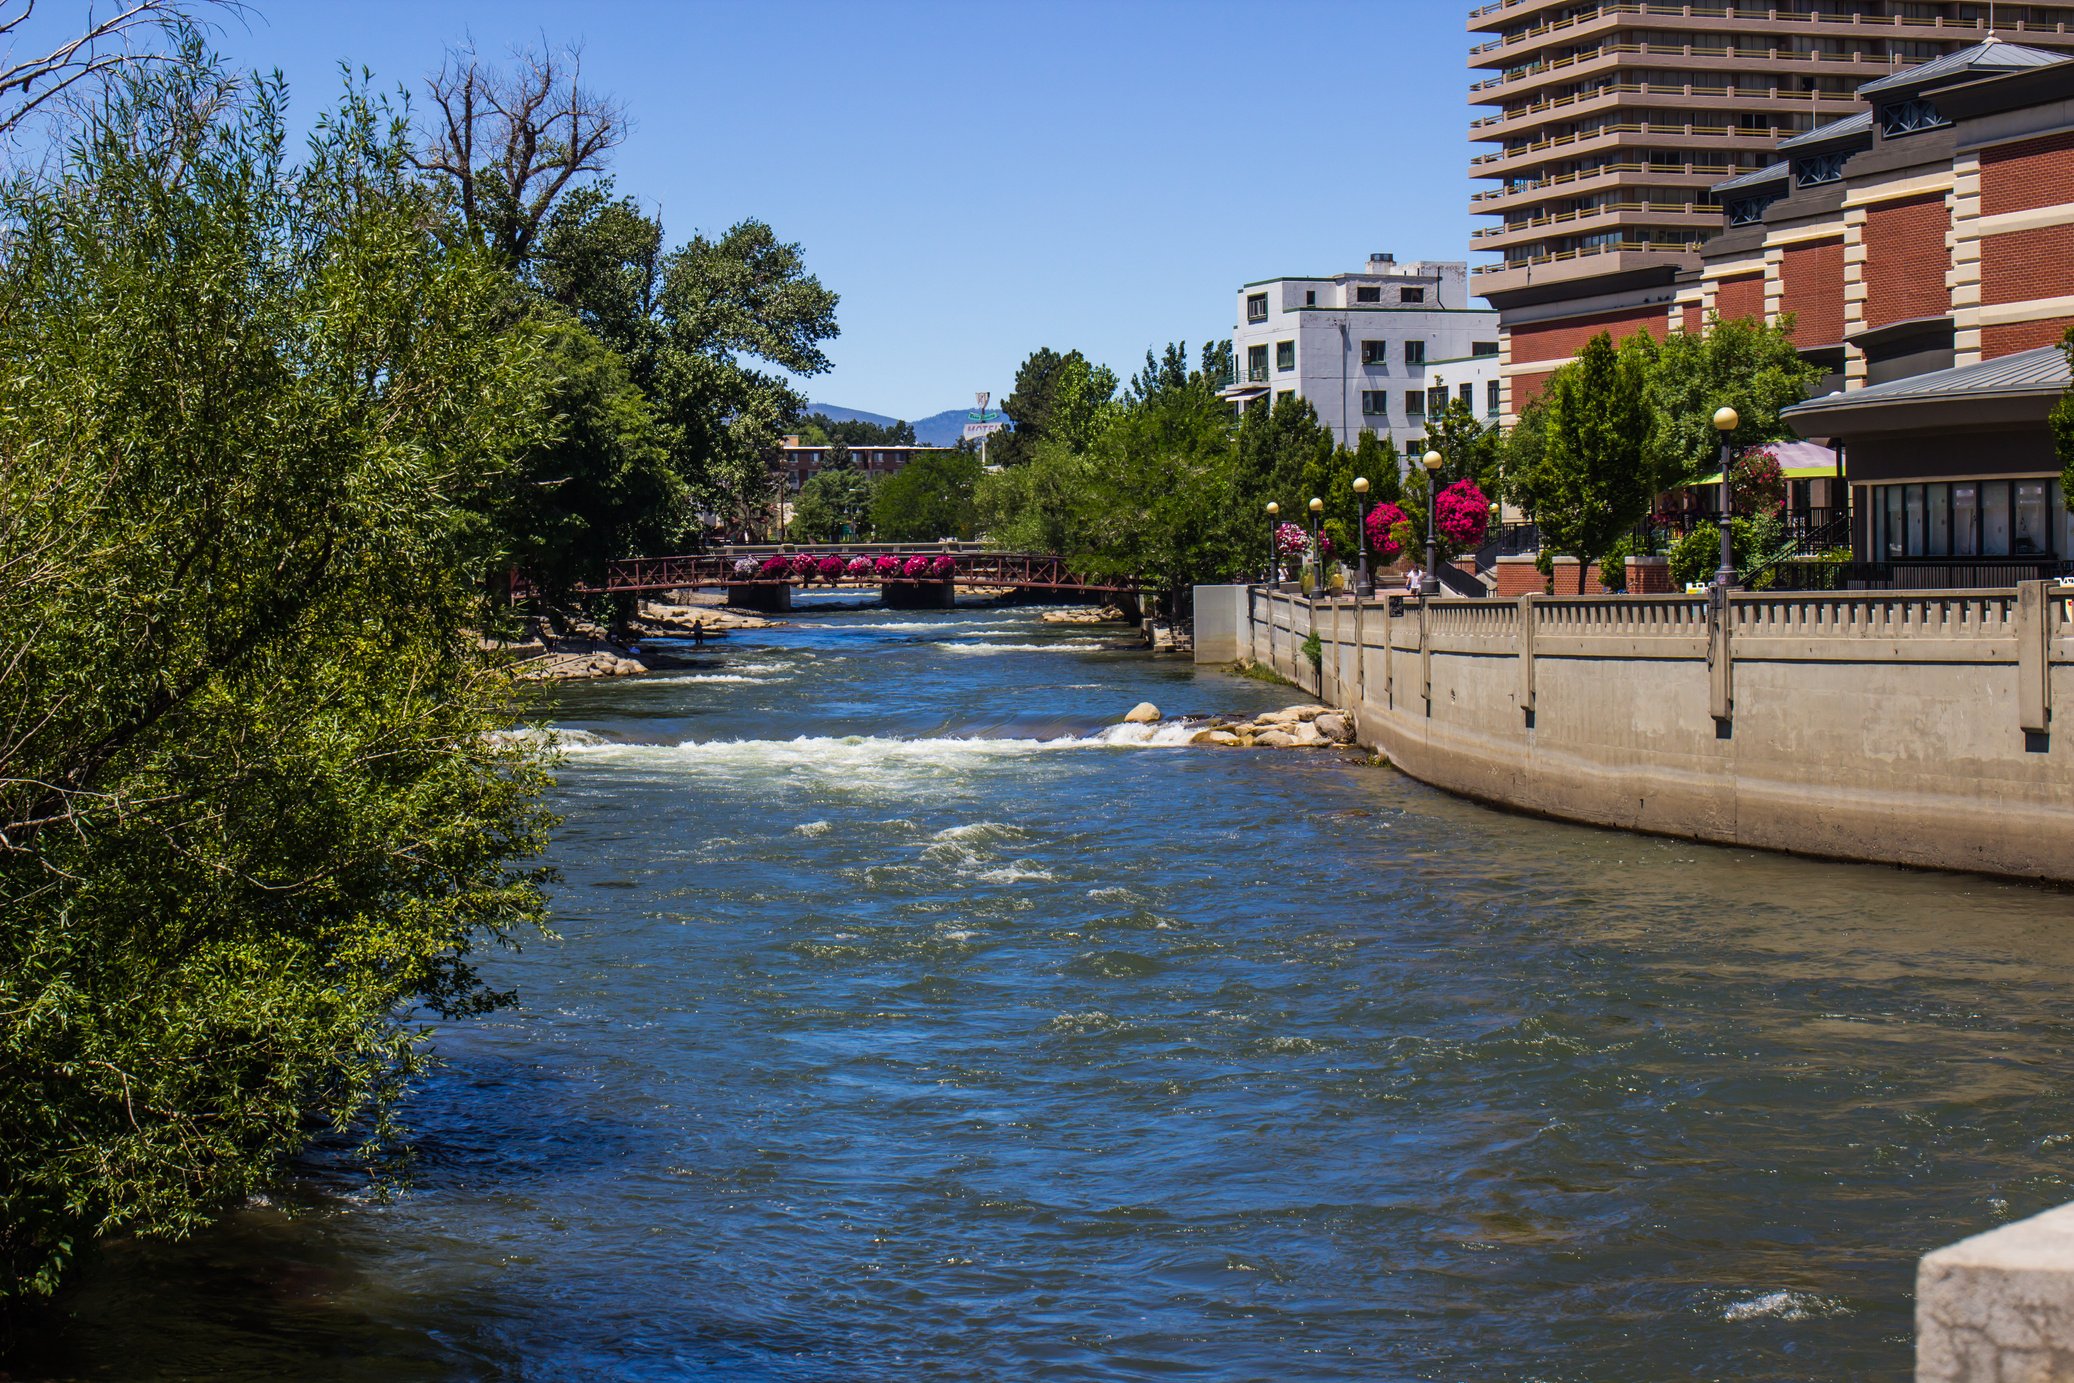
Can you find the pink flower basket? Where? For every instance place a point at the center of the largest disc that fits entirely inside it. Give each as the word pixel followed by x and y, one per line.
pixel 859 566
pixel 887 566
pixel 805 564
pixel 915 567
pixel 944 565
pixel 1381 540
pixel 831 568
pixel 1462 513
pixel 775 566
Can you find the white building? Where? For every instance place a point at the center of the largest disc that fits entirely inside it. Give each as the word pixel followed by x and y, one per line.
pixel 1378 348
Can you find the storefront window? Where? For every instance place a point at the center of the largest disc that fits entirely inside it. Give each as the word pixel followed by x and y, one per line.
pixel 1966 520
pixel 1891 545
pixel 1937 505
pixel 1994 519
pixel 1912 503
pixel 2032 536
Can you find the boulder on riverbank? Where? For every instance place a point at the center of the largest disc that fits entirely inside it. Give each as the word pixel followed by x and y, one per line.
pixel 1292 727
pixel 1107 614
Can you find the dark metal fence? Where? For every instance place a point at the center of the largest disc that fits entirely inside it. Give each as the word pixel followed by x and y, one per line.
pixel 1931 575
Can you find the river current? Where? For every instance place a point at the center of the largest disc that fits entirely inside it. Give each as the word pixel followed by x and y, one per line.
pixel 906 1022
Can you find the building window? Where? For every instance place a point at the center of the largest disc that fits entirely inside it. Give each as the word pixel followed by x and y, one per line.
pixel 1415 403
pixel 1484 348
pixel 1468 396
pixel 1285 355
pixel 1375 403
pixel 1368 295
pixel 1748 211
pixel 1411 295
pixel 1415 352
pixel 1281 394
pixel 1491 403
pixel 1310 297
pixel 1256 307
pixel 1907 117
pixel 1813 171
pixel 1256 364
pixel 1436 401
pixel 1375 352
pixel 1968 519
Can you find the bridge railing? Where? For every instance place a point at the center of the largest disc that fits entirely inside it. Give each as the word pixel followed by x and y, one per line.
pixel 969 568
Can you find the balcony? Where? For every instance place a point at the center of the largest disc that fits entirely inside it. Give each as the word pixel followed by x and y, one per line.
pixel 1591 261
pixel 1701 220
pixel 1502 162
pixel 1656 176
pixel 1687 95
pixel 1955 32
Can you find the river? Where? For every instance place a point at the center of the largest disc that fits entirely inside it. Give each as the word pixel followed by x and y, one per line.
pixel 901 1026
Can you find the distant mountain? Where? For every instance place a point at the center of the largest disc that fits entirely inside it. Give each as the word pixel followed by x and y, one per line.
pixel 937 430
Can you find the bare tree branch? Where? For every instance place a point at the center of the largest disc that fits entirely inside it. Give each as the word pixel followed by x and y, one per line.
pixel 132 34
pixel 513 142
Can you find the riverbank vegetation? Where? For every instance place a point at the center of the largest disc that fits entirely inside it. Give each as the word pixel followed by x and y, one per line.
pixel 277 423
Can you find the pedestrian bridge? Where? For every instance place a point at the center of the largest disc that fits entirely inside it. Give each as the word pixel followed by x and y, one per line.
pixel 743 571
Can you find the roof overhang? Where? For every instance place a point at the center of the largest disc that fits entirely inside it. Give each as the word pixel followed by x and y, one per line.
pixel 1836 415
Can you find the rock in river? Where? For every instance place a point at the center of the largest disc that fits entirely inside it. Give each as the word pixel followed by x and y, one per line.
pixel 1144 713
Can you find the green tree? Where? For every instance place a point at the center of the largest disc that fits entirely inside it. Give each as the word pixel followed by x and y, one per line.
pixel 1595 477
pixel 1284 453
pixel 2062 421
pixel 931 497
pixel 255 808
pixel 1057 398
pixel 1743 364
pixel 1376 458
pixel 601 486
pixel 834 505
pixel 1168 502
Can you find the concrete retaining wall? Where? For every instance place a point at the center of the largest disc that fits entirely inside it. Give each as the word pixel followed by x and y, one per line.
pixel 1999 1307
pixel 1907 727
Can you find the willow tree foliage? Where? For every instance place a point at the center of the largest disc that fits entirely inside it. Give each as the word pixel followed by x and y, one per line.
pixel 254 811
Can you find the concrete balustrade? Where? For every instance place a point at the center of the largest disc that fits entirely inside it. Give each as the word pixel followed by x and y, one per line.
pixel 1913 727
pixel 1999 1307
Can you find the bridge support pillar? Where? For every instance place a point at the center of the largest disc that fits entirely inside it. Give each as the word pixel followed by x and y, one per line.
pixel 919 595
pixel 771 598
pixel 1133 608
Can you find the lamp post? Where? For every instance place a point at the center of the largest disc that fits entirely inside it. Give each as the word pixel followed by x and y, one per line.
pixel 1725 421
pixel 1429 585
pixel 1317 556
pixel 1361 586
pixel 1272 510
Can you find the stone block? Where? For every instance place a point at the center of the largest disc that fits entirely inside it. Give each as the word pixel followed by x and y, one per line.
pixel 1999 1307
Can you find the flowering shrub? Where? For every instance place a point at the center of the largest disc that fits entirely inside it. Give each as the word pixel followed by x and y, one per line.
pixel 887 566
pixel 859 566
pixel 804 564
pixel 1291 540
pixel 1462 513
pixel 745 566
pixel 1757 482
pixel 915 567
pixel 775 566
pixel 832 567
pixel 1383 521
pixel 944 565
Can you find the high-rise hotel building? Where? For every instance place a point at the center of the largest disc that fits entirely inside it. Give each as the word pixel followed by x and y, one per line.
pixel 1606 124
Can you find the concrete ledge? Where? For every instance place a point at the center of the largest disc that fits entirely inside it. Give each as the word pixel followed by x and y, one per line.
pixel 1999 1307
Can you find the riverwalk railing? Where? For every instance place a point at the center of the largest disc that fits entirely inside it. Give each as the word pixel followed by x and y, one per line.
pixel 1913 727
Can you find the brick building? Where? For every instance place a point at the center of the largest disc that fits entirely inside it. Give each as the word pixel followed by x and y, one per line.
pixel 1920 242
pixel 1613 121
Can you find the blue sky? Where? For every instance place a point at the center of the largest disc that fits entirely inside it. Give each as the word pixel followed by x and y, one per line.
pixel 980 179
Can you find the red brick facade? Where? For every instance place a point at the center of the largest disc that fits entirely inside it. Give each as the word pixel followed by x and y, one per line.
pixel 2030 173
pixel 1563 338
pixel 2018 266
pixel 1691 320
pixel 1811 287
pixel 1741 296
pixel 1527 388
pixel 2011 337
pixel 1906 260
